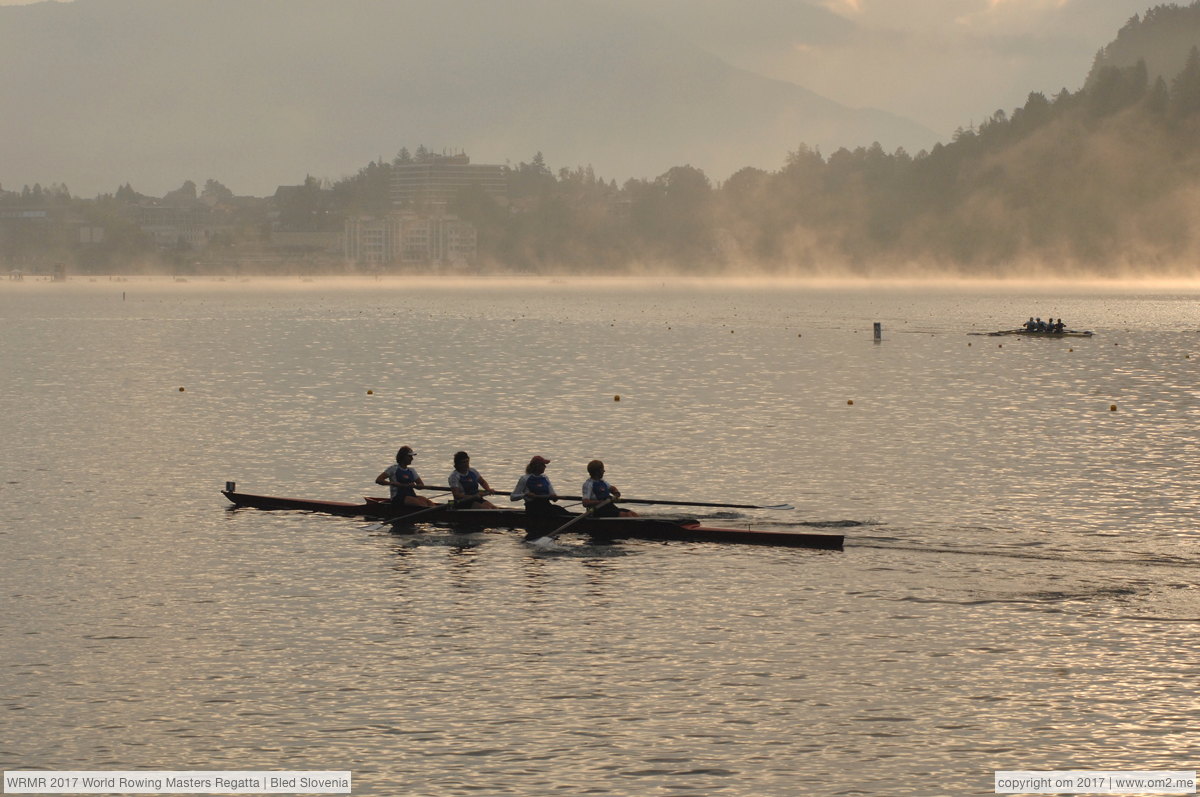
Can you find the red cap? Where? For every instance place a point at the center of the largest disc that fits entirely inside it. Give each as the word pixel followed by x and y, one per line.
pixel 539 461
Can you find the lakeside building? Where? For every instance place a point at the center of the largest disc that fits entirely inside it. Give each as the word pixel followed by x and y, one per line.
pixel 410 239
pixel 34 234
pixel 173 224
pixel 433 182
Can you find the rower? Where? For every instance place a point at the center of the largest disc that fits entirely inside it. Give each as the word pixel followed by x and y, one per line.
pixel 403 480
pixel 1030 325
pixel 596 491
pixel 465 483
pixel 535 489
pixel 1059 326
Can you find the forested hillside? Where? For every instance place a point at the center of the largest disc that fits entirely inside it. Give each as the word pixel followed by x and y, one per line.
pixel 1105 179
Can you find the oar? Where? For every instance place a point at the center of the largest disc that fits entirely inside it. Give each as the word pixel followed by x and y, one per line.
pixel 686 503
pixel 570 522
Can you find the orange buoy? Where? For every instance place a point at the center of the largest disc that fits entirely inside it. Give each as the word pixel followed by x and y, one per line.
pixel 1112 407
pixel 617 398
pixel 180 390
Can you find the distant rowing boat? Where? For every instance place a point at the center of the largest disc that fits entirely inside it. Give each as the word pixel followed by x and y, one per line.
pixel 1066 333
pixel 618 528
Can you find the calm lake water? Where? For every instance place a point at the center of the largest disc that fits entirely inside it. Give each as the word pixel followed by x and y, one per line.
pixel 1019 587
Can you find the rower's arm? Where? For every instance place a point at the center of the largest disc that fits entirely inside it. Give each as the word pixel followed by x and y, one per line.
pixel 518 493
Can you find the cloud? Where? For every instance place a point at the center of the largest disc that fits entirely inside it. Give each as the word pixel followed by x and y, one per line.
pixel 844 7
pixel 945 63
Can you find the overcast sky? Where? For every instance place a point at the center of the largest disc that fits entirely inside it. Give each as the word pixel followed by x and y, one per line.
pixel 944 63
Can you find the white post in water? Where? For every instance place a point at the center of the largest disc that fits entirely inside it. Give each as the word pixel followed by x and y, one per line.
pixel 878 331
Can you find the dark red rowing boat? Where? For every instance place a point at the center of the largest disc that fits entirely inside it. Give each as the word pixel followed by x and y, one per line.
pixel 640 528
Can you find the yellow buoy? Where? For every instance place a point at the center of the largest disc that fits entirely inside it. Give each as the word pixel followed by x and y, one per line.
pixel 850 402
pixel 370 392
pixel 1112 407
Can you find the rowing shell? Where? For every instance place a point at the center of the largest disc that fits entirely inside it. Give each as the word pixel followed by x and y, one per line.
pixel 618 528
pixel 1066 333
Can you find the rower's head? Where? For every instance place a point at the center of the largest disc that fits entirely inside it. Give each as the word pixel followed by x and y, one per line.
pixel 596 469
pixel 405 455
pixel 462 461
pixel 537 465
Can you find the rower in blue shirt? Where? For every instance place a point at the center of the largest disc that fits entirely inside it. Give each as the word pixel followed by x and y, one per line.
pixel 596 491
pixel 535 489
pixel 403 480
pixel 465 484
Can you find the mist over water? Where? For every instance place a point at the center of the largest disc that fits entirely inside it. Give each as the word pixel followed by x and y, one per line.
pixel 1018 588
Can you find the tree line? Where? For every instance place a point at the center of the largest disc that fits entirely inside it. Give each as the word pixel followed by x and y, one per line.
pixel 1104 180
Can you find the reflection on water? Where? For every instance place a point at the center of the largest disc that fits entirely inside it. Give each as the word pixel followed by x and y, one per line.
pixel 1018 589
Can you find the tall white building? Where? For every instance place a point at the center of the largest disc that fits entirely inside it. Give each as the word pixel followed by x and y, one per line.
pixel 434 182
pixel 411 239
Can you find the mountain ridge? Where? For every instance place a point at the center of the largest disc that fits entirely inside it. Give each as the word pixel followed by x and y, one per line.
pixel 256 92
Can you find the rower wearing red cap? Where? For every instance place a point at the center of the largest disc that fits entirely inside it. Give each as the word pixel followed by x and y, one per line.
pixel 535 489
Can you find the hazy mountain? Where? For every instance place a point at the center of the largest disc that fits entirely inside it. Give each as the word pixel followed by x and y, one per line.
pixel 1162 37
pixel 257 93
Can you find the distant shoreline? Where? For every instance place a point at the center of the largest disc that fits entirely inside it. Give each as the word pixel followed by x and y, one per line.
pixel 127 283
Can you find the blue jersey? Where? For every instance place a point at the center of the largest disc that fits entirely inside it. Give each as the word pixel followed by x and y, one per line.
pixel 467 482
pixel 538 484
pixel 596 490
pixel 398 474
